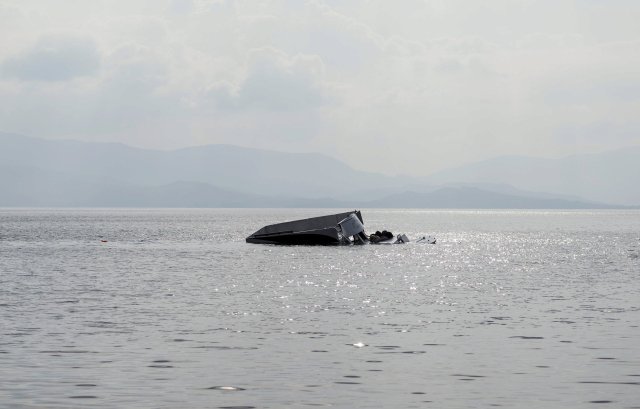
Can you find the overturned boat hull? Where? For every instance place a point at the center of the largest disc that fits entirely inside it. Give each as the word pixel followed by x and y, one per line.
pixel 323 230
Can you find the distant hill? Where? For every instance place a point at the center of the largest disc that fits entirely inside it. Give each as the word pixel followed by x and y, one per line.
pixel 474 198
pixel 28 186
pixel 609 177
pixel 248 170
pixel 37 172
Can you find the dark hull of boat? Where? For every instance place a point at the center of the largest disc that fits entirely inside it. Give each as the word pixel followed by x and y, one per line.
pixel 325 237
pixel 313 231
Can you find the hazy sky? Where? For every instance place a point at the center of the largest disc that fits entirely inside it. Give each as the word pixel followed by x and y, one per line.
pixel 397 86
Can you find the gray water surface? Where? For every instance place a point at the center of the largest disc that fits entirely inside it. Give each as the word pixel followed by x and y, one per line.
pixel 171 308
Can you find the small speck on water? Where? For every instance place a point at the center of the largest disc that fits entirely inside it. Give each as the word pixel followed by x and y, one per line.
pixel 83 397
pixel 468 376
pixel 525 337
pixel 388 347
pixel 610 383
pixel 226 388
pixel 236 407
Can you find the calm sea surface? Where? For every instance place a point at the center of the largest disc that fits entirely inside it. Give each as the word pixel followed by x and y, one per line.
pixel 520 309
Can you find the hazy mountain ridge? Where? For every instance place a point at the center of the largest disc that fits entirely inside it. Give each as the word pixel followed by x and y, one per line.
pixel 474 198
pixel 36 172
pixel 244 169
pixel 608 177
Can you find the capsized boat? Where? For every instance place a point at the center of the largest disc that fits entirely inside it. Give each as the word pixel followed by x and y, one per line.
pixel 334 229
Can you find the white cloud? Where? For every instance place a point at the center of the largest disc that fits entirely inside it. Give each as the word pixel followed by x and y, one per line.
pixel 275 82
pixel 54 58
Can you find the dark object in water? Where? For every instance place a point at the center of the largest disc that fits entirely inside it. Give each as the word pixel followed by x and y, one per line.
pixel 341 228
pixel 379 236
pixel 324 230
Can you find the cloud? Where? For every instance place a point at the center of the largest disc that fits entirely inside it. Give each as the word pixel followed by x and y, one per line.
pixel 591 133
pixel 130 91
pixel 180 7
pixel 425 84
pixel 274 82
pixel 54 58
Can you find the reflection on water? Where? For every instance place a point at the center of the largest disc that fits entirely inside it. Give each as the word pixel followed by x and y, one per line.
pixel 170 308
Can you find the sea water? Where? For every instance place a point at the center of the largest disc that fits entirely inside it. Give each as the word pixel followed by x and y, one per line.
pixel 142 308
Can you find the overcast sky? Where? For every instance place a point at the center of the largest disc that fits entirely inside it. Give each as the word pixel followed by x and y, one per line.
pixel 396 86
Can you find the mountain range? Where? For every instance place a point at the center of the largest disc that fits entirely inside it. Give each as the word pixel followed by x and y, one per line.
pixel 610 177
pixel 65 173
